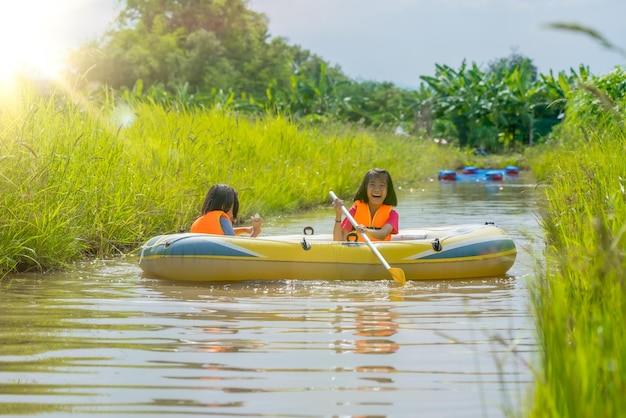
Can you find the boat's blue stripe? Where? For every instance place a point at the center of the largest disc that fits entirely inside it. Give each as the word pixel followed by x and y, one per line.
pixel 216 249
pixel 207 248
pixel 473 250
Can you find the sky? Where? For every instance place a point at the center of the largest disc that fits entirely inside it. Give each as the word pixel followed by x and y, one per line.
pixel 378 40
pixel 401 40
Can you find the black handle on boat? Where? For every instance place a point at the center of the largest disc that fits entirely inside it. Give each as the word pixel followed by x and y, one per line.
pixel 397 274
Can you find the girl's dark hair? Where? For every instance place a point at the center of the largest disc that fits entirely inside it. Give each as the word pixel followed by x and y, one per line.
pixel 361 194
pixel 221 197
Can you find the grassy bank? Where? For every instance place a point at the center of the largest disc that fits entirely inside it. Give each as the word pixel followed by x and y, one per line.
pixel 579 299
pixel 78 180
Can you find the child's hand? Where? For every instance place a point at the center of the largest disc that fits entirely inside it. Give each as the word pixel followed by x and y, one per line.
pixel 257 221
pixel 337 204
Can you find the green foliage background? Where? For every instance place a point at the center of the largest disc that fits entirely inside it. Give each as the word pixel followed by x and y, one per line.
pixel 215 52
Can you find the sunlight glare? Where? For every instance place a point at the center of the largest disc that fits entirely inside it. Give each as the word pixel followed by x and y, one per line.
pixel 123 116
pixel 29 38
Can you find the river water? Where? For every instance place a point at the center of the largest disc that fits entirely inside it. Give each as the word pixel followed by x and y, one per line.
pixel 104 341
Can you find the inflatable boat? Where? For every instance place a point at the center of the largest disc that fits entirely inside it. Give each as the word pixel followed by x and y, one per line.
pixel 446 252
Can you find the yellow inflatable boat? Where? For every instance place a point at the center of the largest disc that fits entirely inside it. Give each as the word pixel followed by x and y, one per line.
pixel 447 252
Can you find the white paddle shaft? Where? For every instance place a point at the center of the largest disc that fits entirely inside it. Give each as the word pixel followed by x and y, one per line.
pixel 365 237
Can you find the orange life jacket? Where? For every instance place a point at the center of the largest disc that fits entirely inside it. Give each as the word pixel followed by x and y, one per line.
pixel 363 216
pixel 209 223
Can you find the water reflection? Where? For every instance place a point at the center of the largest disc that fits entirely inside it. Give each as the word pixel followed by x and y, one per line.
pixel 375 325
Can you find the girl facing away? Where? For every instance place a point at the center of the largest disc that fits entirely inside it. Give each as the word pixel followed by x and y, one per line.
pixel 372 209
pixel 220 207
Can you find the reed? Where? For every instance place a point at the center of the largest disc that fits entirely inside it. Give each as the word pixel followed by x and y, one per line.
pixel 579 299
pixel 84 180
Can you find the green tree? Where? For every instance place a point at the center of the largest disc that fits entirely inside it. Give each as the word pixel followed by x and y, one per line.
pixel 498 108
pixel 204 44
pixel 376 103
pixel 513 105
pixel 462 97
pixel 501 67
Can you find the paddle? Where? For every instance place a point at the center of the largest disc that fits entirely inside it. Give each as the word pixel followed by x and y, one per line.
pixel 397 274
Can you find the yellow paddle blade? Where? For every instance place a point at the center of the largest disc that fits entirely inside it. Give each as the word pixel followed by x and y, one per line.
pixel 397 275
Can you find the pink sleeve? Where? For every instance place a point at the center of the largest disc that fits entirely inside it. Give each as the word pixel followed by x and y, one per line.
pixel 346 223
pixel 394 220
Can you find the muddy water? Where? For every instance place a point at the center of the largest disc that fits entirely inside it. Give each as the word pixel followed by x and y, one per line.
pixel 103 340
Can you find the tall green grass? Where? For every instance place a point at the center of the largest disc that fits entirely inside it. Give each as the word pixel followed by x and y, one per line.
pixel 81 180
pixel 580 298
